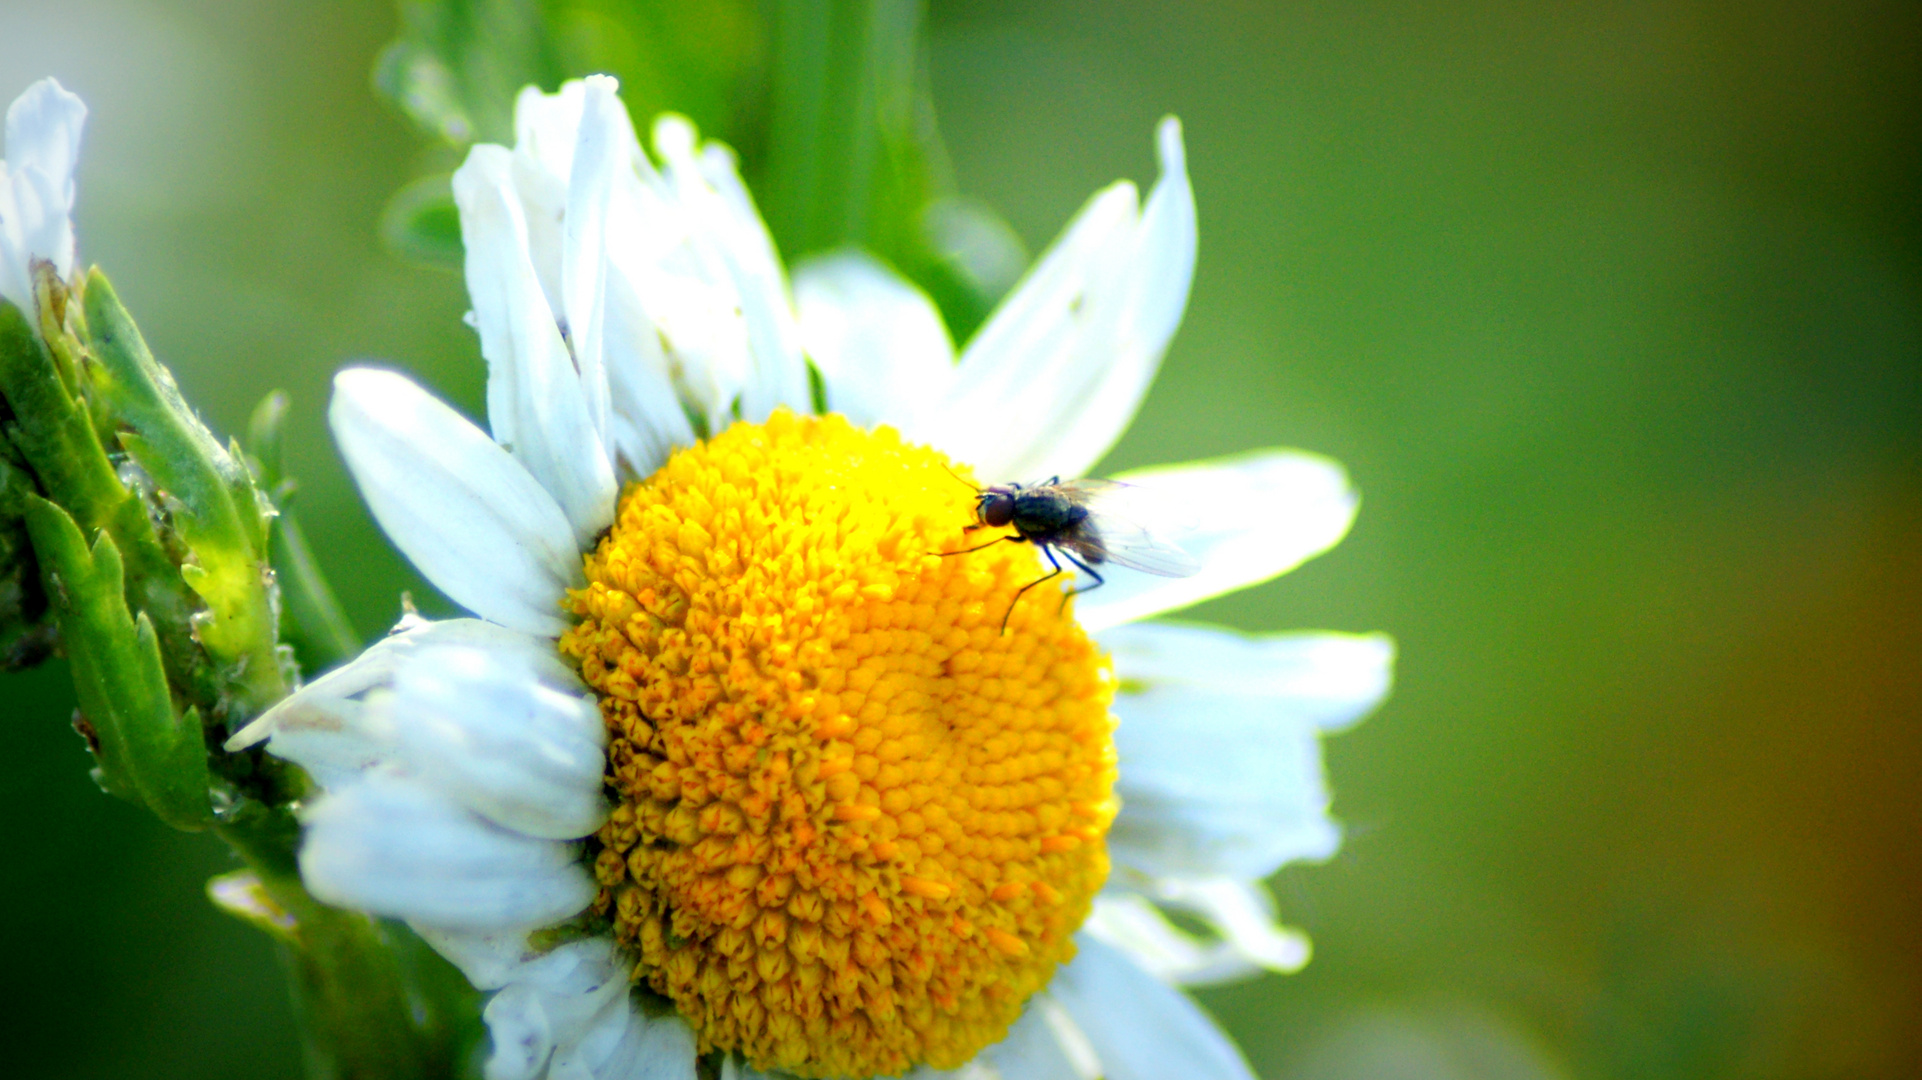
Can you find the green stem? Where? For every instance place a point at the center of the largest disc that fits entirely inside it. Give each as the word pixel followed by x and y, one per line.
pixel 313 619
pixel 850 143
pixel 321 634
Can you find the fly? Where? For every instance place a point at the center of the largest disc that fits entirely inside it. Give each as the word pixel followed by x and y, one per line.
pixel 1088 522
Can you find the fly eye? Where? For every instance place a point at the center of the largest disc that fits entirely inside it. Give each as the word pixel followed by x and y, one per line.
pixel 997 509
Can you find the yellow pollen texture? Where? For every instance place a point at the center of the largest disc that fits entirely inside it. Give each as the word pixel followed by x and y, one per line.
pixel 857 823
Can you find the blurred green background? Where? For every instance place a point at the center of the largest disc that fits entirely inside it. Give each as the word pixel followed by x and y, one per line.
pixel 1614 311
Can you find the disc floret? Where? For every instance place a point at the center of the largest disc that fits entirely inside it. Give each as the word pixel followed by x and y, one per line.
pixel 857 825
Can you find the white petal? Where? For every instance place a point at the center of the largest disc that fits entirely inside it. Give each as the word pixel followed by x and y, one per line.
pixel 599 157
pixel 487 732
pixel 321 707
pixel 1130 923
pixel 646 421
pixel 978 1069
pixel 722 224
pixel 880 345
pixel 780 372
pixel 648 1048
pixel 1059 370
pixel 391 846
pixel 536 402
pixel 546 127
pixel 1313 678
pixel 1243 914
pixel 1044 1044
pixel 490 960
pixel 466 514
pixel 336 740
pixel 37 188
pixel 1221 770
pixel 1141 1028
pixel 551 1005
pixel 1246 938
pixel 1014 376
pixel 1255 516
pixel 624 1044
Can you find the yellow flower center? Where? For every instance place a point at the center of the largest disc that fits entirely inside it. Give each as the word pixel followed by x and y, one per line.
pixel 858 823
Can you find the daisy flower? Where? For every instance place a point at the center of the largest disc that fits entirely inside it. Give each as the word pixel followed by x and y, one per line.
pixel 732 758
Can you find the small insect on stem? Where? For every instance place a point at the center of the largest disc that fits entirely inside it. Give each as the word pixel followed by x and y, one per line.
pixel 1087 522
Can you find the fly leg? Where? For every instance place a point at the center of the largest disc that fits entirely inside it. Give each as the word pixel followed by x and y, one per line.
pixel 999 539
pixel 1099 581
pixel 1047 550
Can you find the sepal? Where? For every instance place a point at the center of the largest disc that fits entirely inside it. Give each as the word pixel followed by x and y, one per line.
pixel 55 430
pixel 215 510
pixel 142 745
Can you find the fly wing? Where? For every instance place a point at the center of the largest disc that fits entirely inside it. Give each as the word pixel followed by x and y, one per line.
pixel 1122 520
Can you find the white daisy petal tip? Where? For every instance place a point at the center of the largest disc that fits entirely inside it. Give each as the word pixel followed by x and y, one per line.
pixel 41 153
pixel 1170 150
pixel 674 137
pixel 1062 365
pixel 1255 516
pixel 473 520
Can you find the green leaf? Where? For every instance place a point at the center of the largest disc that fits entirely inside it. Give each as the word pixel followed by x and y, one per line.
pixel 143 747
pixel 458 64
pixel 422 224
pixel 850 159
pixel 216 511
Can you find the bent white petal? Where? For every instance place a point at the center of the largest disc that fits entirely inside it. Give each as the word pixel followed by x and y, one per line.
pixel 880 345
pixel 1254 516
pixel 1246 938
pixel 1130 923
pixel 553 1002
pixel 1050 381
pixel 1243 914
pixel 464 512
pixel 537 404
pixel 375 667
pixel 393 846
pixel 1221 769
pixel 569 1015
pixel 489 959
pixel 482 728
pixel 1011 373
pixel 1139 1027
pixel 625 1043
pixel 37 188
